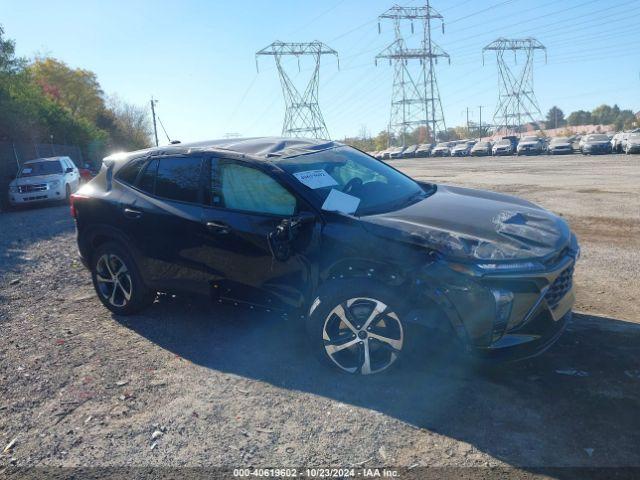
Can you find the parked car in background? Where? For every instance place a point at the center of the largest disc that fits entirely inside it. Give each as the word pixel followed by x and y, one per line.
pixel 632 144
pixel 595 144
pixel 559 146
pixel 386 154
pixel 364 254
pixel 423 150
pixel 503 147
pixel 462 149
pixel 529 145
pixel 397 152
pixel 618 142
pixel 481 149
pixel 410 151
pixel 514 141
pixel 44 179
pixel 442 149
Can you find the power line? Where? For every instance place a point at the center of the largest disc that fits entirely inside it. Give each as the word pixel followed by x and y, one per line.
pixel 415 101
pixel 302 111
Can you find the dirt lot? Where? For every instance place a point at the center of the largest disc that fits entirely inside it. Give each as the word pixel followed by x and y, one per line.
pixel 224 386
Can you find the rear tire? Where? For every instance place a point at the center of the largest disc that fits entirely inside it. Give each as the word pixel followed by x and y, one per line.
pixel 117 280
pixel 357 327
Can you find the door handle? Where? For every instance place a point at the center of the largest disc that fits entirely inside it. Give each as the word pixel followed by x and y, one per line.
pixel 218 227
pixel 131 213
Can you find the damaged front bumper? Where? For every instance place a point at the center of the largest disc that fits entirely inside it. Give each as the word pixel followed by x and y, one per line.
pixel 507 316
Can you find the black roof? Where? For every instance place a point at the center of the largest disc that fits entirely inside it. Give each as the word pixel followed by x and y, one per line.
pixel 260 148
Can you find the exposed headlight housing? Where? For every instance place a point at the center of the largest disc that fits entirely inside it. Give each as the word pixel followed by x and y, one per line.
pixel 511 266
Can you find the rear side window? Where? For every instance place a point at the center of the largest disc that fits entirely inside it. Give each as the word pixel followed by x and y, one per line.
pixel 179 179
pixel 129 172
pixel 148 177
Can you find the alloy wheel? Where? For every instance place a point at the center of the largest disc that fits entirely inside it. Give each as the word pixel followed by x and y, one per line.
pixel 114 280
pixel 363 335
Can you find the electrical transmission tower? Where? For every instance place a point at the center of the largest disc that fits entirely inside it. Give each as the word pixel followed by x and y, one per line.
pixel 415 99
pixel 517 102
pixel 302 116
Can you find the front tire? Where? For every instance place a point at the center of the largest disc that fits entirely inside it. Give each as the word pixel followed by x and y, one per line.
pixel 117 281
pixel 357 327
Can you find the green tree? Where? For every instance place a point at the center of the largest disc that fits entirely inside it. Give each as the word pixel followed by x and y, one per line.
pixel 580 117
pixel 555 118
pixel 9 63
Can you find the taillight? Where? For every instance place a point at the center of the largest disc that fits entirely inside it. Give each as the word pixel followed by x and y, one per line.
pixel 75 197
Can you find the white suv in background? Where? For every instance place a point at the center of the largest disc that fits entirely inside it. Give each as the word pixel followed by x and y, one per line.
pixel 44 179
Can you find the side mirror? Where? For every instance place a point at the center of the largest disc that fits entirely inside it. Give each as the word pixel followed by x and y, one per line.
pixel 68 170
pixel 282 238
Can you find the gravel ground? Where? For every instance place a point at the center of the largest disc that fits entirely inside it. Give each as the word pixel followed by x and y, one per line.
pixel 189 384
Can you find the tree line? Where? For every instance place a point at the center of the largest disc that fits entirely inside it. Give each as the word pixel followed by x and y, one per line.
pixel 44 100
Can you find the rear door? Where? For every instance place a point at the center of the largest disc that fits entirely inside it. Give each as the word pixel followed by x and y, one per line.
pixel 246 203
pixel 163 212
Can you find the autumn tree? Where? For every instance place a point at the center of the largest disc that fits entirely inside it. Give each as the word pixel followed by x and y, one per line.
pixel 76 89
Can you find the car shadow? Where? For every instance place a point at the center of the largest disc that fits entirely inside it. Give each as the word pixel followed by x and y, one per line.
pixel 554 410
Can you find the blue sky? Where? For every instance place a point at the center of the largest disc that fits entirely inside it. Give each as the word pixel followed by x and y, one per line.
pixel 197 57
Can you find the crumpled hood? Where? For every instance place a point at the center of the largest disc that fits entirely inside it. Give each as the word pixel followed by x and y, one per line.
pixel 35 180
pixel 476 225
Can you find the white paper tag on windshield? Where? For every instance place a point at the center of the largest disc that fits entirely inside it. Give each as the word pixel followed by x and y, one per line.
pixel 316 179
pixel 340 202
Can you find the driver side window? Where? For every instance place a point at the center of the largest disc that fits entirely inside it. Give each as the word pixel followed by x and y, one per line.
pixel 240 187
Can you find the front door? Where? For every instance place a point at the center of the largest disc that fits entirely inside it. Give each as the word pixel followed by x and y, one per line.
pixel 246 205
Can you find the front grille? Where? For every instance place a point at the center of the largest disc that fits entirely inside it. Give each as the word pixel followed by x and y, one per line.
pixel 32 188
pixel 560 287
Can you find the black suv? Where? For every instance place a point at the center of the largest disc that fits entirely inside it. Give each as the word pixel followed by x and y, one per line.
pixel 362 251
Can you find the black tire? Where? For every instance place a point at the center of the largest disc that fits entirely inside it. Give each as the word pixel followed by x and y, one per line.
pixel 325 328
pixel 67 192
pixel 107 258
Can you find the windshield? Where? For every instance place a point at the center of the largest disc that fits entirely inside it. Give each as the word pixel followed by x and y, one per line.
pixel 346 180
pixel 634 136
pixel 37 169
pixel 503 143
pixel 560 140
pixel 442 145
pixel 482 145
pixel 529 139
pixel 597 138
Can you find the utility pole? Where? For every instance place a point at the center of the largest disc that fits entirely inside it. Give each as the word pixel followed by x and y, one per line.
pixel 415 98
pixel 302 116
pixel 516 98
pixel 153 114
pixel 468 129
pixel 480 131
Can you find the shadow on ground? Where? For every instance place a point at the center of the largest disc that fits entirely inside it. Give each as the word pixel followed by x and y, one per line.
pixel 582 394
